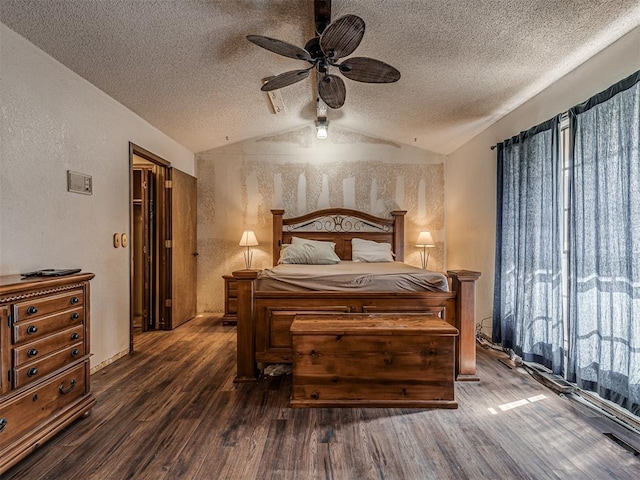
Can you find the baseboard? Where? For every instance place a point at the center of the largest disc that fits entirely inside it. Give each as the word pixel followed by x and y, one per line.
pixel 108 361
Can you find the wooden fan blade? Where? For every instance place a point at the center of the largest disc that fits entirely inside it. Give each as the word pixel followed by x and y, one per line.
pixel 279 47
pixel 369 70
pixel 342 37
pixel 322 14
pixel 285 79
pixel 332 90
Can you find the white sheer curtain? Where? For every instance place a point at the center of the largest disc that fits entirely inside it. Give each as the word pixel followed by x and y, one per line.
pixel 604 253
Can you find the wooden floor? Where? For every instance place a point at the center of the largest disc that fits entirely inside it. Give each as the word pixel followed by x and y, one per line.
pixel 171 411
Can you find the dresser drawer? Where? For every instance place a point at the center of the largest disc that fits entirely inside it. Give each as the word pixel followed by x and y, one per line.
pixel 29 330
pixel 39 307
pixel 40 348
pixel 24 412
pixel 31 372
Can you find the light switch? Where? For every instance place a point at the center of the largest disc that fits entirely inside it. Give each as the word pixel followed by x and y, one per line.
pixel 124 240
pixel 116 240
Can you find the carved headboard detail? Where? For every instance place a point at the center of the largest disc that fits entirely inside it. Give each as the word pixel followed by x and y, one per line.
pixel 339 225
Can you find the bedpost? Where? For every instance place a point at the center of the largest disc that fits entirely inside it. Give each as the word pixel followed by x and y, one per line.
pixel 463 282
pixel 398 234
pixel 277 234
pixel 246 367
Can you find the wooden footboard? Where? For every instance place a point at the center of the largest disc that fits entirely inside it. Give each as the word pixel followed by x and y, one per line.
pixel 265 317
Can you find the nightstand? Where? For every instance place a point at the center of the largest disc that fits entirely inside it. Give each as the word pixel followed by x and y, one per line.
pixel 230 300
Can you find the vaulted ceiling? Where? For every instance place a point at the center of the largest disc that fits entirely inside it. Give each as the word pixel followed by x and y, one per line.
pixel 186 67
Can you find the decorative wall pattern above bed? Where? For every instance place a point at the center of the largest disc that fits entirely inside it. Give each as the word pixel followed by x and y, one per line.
pixel 238 185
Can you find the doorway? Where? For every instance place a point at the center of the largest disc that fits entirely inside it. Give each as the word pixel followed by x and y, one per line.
pixel 163 213
pixel 145 308
pixel 150 269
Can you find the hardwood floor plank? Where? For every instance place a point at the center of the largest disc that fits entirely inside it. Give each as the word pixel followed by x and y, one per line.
pixel 170 410
pixel 204 440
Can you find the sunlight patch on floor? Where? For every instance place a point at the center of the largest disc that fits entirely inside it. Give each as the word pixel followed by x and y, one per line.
pixel 518 403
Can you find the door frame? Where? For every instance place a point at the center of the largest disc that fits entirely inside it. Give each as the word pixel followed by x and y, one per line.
pixel 163 230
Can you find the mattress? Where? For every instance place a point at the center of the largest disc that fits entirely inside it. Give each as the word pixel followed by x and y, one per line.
pixel 352 276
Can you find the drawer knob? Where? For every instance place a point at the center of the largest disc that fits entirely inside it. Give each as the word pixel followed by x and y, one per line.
pixel 32 329
pixel 31 310
pixel 75 316
pixel 74 300
pixel 75 352
pixel 315 396
pixel 32 352
pixel 75 336
pixel 63 390
pixel 32 372
pixel 3 423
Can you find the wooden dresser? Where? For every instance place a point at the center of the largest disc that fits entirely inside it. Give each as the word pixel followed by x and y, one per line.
pixel 44 355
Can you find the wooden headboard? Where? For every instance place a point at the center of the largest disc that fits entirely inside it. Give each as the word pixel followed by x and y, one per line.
pixel 340 225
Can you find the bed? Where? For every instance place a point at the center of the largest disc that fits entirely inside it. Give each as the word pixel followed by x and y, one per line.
pixel 267 308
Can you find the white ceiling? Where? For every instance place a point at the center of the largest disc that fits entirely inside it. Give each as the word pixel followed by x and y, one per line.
pixel 186 67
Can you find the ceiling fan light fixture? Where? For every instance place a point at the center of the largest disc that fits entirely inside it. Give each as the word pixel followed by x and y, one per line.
pixel 322 128
pixel 334 40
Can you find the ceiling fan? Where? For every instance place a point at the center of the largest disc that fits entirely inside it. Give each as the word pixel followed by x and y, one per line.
pixel 333 41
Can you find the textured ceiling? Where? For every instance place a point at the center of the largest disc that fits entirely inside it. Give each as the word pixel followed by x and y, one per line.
pixel 186 67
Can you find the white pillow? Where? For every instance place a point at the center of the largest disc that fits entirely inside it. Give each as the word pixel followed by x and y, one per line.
pixel 298 241
pixel 305 253
pixel 370 251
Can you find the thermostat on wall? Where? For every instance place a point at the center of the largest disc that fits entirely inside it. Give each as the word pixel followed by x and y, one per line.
pixel 79 183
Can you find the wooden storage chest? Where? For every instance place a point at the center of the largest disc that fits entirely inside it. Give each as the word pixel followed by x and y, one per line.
pixel 373 360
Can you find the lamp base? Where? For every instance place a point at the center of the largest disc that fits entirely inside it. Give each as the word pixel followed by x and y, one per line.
pixel 424 257
pixel 248 257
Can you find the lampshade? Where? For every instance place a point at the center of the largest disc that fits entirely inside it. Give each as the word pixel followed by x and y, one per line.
pixel 248 239
pixel 425 240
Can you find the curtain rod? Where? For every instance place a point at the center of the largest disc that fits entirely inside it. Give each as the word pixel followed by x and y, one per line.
pixel 563 116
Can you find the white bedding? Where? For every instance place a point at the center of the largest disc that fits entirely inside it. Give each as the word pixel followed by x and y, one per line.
pixel 352 276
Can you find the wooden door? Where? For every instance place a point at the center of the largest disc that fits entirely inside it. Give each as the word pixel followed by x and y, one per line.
pixel 183 249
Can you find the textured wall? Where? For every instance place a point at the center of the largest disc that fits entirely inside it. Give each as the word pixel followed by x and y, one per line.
pixel 53 121
pixel 239 184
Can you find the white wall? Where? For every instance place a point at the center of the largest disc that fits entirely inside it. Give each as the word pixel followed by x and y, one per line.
pixel 54 121
pixel 470 198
